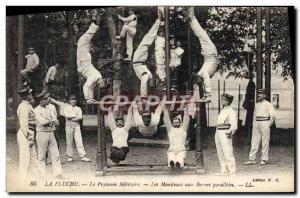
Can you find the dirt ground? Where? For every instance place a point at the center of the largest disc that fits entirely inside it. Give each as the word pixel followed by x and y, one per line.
pixel 281 157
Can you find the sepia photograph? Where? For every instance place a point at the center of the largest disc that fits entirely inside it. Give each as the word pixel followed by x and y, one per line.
pixel 150 99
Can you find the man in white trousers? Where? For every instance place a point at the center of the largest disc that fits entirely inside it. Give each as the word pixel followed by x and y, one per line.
pixel 84 62
pixel 73 115
pixel 264 117
pixel 25 135
pixel 45 139
pixel 141 55
pixel 209 52
pixel 128 30
pixel 177 133
pixel 226 127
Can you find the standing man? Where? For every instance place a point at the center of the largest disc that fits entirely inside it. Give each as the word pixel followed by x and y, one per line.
pixel 45 138
pixel 84 61
pixel 73 115
pixel 160 55
pixel 128 30
pixel 226 127
pixel 148 121
pixel 119 132
pixel 25 135
pixel 141 55
pixel 177 133
pixel 209 52
pixel 176 53
pixel 264 117
pixel 32 63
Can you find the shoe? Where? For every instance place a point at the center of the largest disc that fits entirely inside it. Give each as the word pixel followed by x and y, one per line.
pixel 232 174
pixel 96 18
pixel 250 162
pixel 172 164
pixel 60 177
pixel 91 101
pixel 70 159
pixel 263 162
pixel 206 99
pixel 127 59
pixel 85 159
pixel 191 148
pixel 221 174
pixel 177 165
pixel 118 37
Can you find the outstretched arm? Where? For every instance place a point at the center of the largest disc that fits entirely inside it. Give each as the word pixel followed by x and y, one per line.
pixel 157 113
pixel 136 115
pixel 129 118
pixel 167 121
pixel 127 19
pixel 186 118
pixel 110 119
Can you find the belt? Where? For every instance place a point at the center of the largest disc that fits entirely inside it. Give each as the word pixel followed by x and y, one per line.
pixel 223 126
pixel 32 128
pixel 261 118
pixel 138 62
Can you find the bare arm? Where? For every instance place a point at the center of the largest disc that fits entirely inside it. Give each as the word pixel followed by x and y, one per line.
pixel 111 121
pixel 137 117
pixel 129 118
pixel 157 113
pixel 186 119
pixel 127 19
pixel 167 121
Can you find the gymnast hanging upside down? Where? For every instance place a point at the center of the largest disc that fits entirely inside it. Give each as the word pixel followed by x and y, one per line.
pixel 84 62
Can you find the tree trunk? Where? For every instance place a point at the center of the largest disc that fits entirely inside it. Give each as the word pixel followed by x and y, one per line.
pixel 72 77
pixel 116 49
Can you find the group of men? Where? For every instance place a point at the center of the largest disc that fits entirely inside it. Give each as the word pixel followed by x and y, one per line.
pixel 36 134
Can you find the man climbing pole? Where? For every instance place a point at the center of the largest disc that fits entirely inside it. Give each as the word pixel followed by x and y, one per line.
pixel 128 30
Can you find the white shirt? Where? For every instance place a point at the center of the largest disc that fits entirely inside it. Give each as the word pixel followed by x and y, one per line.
pixel 177 136
pixel 265 109
pixel 131 20
pixel 228 116
pixel 44 116
pixel 176 55
pixel 32 61
pixel 26 116
pixel 51 74
pixel 72 112
pixel 119 135
pixel 152 127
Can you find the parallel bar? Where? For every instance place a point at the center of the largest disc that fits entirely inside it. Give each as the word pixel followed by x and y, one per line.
pixel 153 103
pixel 259 48
pixel 219 102
pixel 104 157
pixel 189 56
pixel 199 153
pixel 239 102
pixel 268 56
pixel 99 157
pixel 167 51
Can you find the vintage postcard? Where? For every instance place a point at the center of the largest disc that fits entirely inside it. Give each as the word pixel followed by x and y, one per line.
pixel 150 99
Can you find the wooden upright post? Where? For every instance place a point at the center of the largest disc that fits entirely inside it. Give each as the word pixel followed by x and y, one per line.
pixel 190 86
pixel 100 135
pixel 20 50
pixel 219 102
pixel 167 51
pixel 199 152
pixel 259 48
pixel 268 58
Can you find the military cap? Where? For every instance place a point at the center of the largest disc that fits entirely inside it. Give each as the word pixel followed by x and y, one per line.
pixel 227 97
pixel 261 91
pixel 119 116
pixel 72 97
pixel 30 48
pixel 24 90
